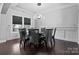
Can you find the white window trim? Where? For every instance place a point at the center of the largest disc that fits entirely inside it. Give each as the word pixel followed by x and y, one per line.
pixel 12 25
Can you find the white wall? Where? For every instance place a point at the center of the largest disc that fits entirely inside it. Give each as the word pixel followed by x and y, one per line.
pixel 3 30
pixel 65 17
pixel 11 12
pixel 2 25
pixel 78 23
pixel 66 20
pixel 6 24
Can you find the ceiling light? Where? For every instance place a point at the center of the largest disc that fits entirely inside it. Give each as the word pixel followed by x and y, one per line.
pixel 38 4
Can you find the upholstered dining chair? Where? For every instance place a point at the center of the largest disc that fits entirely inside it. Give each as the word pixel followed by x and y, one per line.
pixel 34 37
pixel 47 37
pixel 23 37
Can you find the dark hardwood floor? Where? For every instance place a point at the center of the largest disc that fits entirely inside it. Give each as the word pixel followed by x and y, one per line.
pixel 62 48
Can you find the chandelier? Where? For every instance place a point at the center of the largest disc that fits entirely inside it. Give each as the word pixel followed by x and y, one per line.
pixel 37 16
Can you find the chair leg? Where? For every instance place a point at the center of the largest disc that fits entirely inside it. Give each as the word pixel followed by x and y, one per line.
pixel 54 41
pixel 40 43
pixel 24 44
pixel 51 43
pixel 45 44
pixel 20 45
pixel 20 41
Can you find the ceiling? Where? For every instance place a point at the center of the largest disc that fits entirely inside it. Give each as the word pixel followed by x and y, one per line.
pixel 32 7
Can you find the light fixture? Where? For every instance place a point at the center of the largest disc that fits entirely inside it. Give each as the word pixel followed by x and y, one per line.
pixel 39 16
pixel 38 4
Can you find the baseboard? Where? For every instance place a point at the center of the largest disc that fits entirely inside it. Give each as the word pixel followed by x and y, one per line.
pixel 67 40
pixel 2 41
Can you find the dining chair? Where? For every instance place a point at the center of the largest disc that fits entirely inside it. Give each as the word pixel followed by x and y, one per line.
pixel 23 37
pixel 42 37
pixel 47 37
pixel 34 37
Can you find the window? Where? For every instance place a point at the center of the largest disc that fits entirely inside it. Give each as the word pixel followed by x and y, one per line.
pixel 27 21
pixel 17 23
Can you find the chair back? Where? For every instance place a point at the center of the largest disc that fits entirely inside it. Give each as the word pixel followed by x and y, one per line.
pixel 48 34
pixel 34 36
pixel 43 30
pixel 22 33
